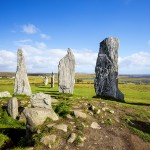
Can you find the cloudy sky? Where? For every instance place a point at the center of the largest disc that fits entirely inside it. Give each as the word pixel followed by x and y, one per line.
pixel 45 29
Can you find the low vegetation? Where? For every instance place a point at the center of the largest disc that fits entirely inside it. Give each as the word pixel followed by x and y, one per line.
pixel 133 115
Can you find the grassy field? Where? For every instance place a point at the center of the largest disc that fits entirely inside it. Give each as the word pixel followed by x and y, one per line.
pixel 137 97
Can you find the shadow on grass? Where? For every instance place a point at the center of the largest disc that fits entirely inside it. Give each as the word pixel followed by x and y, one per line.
pixel 140 125
pixel 113 99
pixel 139 104
pixel 108 98
pixel 14 134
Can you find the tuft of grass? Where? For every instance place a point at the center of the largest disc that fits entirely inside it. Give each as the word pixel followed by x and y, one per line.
pixel 63 108
pixel 3 140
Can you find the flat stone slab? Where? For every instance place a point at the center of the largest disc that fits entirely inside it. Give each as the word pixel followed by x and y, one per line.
pixel 62 127
pixel 79 114
pixel 95 125
pixel 5 94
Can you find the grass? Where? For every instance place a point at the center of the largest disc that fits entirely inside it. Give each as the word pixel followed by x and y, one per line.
pixel 137 97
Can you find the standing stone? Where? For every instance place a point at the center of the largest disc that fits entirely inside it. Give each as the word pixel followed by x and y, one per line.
pixel 52 80
pixel 45 80
pixel 66 73
pixel 22 85
pixel 12 107
pixel 106 81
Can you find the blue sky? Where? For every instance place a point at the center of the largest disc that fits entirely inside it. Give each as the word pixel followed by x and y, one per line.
pixel 46 28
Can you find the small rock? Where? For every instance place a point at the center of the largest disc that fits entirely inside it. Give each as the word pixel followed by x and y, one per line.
pixel 112 111
pixel 72 122
pixel 69 116
pixel 62 127
pixel 72 138
pixel 102 121
pixel 82 138
pixel 80 114
pixel 98 111
pixel 50 125
pixel 95 125
pixel 105 108
pixel 47 140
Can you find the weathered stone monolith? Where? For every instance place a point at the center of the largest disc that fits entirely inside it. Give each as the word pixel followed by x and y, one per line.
pixel 45 80
pixel 52 80
pixel 106 81
pixel 12 107
pixel 22 85
pixel 66 73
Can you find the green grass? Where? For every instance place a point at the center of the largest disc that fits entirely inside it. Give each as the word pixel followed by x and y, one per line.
pixel 137 97
pixel 3 140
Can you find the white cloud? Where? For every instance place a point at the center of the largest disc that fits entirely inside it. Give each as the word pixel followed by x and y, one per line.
pixel 7 61
pixel 44 36
pixel 138 63
pixel 29 29
pixel 46 60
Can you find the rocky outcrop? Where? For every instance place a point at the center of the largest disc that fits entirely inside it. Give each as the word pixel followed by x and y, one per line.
pixel 5 94
pixel 37 116
pixel 106 81
pixel 12 107
pixel 41 100
pixel 66 73
pixel 40 111
pixel 21 81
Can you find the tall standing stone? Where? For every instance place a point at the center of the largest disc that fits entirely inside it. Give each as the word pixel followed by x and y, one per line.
pixel 66 73
pixel 52 80
pixel 106 81
pixel 22 85
pixel 45 80
pixel 12 107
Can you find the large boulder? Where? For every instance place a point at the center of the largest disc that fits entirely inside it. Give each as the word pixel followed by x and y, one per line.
pixel 12 107
pixel 106 81
pixel 40 100
pixel 5 94
pixel 66 73
pixel 37 116
pixel 22 85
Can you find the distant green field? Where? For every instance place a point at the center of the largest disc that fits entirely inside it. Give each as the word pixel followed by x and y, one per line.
pixel 134 93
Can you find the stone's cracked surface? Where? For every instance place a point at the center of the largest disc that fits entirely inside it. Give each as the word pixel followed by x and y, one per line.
pixel 41 100
pixel 22 85
pixel 12 107
pixel 66 73
pixel 106 81
pixel 37 116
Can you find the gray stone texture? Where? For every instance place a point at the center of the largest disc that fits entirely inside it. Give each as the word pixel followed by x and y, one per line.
pixel 12 107
pixel 41 100
pixel 37 116
pixel 52 80
pixel 5 94
pixel 106 81
pixel 66 73
pixel 22 85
